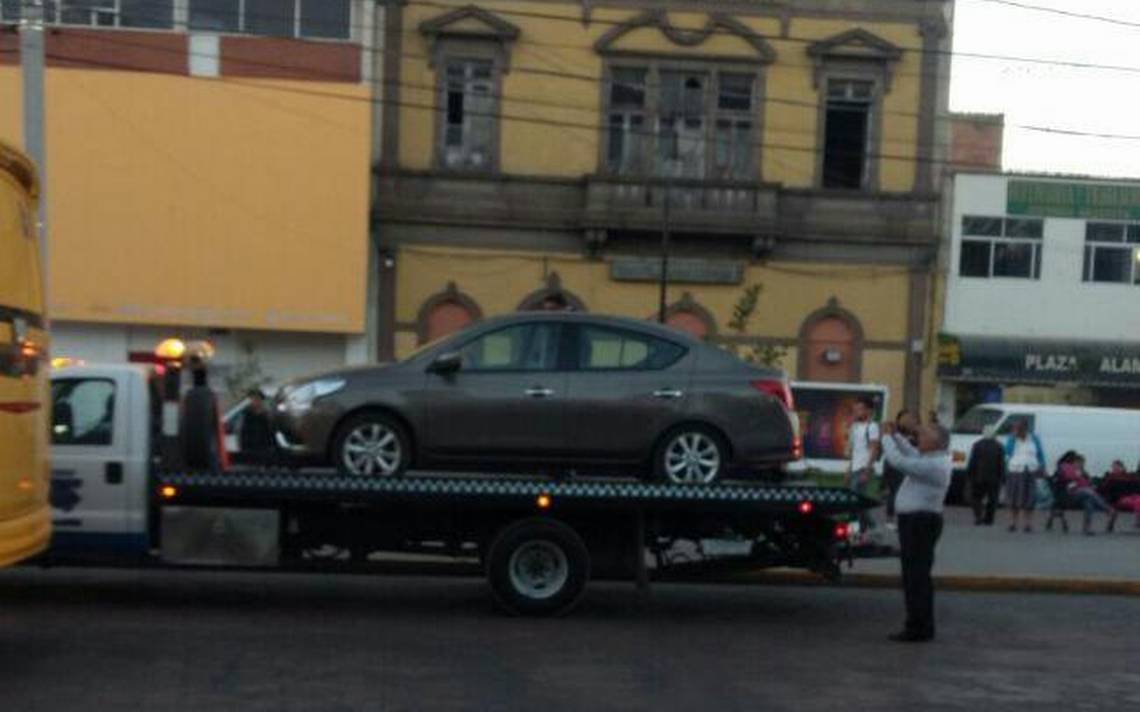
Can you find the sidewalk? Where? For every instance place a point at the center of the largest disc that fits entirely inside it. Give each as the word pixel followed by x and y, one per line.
pixel 1018 560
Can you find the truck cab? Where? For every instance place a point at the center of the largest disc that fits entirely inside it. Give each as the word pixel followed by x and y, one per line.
pixel 103 429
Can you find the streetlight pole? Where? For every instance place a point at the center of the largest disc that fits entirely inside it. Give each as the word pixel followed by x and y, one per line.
pixel 32 69
pixel 663 278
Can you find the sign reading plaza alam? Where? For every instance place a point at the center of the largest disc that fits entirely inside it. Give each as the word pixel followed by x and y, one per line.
pixel 1033 361
pixel 1057 199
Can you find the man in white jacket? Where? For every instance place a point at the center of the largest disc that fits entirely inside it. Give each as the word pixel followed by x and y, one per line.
pixel 927 470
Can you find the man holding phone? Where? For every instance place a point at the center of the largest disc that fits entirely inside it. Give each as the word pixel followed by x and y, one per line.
pixel 926 470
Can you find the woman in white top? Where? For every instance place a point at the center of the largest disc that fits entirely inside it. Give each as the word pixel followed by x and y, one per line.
pixel 1025 462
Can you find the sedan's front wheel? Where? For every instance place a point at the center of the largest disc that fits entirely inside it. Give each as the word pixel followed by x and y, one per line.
pixel 691 455
pixel 372 445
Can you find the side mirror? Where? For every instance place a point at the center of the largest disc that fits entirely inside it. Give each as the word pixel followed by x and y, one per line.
pixel 447 363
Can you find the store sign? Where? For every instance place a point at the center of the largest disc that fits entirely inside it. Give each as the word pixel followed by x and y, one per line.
pixel 1013 360
pixel 1073 200
pixel 641 269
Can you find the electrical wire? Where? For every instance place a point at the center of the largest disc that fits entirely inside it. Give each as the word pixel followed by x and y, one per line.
pixel 766 99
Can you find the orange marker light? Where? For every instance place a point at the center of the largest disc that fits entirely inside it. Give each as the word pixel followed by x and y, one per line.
pixel 543 501
pixel 168 491
pixel 24 484
pixel 806 507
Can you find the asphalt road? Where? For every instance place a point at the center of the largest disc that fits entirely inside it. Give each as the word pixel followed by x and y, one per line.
pixel 153 640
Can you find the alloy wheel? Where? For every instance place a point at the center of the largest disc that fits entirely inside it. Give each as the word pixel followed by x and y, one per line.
pixel 692 458
pixel 372 449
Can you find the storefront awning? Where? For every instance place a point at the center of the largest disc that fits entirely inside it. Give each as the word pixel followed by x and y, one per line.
pixel 990 359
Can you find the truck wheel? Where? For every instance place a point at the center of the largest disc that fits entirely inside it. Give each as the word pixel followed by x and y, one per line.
pixel 538 567
pixel 690 454
pixel 372 445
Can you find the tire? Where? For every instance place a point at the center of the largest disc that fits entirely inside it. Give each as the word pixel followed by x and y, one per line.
pixel 538 567
pixel 670 459
pixel 386 447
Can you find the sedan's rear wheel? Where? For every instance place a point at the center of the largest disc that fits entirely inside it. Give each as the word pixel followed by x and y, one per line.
pixel 372 445
pixel 691 455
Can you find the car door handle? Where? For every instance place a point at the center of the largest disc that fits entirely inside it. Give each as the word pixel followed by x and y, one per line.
pixel 667 393
pixel 113 473
pixel 539 392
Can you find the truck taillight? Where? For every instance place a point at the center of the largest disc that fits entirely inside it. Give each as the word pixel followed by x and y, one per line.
pixel 778 389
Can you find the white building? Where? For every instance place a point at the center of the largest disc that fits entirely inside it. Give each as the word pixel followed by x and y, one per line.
pixel 1042 294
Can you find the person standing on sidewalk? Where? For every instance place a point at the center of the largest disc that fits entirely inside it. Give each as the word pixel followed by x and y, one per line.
pixel 985 472
pixel 906 424
pixel 863 447
pixel 1024 463
pixel 927 471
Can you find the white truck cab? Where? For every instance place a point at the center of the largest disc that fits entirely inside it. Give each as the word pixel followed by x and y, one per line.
pixel 102 448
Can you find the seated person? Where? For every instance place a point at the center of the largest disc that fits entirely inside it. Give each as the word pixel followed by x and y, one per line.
pixel 1072 474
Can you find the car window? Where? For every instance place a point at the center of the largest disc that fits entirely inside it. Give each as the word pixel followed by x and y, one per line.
pixel 1006 426
pixel 522 347
pixel 83 411
pixel 602 348
pixel 976 419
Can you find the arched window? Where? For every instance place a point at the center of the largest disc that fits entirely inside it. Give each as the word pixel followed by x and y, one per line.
pixel 446 312
pixel 689 316
pixel 552 297
pixel 831 346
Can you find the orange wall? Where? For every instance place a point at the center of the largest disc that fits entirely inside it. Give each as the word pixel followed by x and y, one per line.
pixel 222 203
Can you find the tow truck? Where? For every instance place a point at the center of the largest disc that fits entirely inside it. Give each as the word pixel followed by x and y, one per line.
pixel 117 497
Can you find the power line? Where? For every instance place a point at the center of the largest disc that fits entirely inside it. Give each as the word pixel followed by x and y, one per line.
pixel 1065 13
pixel 765 99
pixel 553 123
pixel 578 20
pixel 809 40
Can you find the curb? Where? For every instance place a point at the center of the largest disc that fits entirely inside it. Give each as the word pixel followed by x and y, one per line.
pixel 1022 584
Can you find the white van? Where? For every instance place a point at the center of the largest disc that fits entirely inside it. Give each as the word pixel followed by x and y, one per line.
pixel 1100 434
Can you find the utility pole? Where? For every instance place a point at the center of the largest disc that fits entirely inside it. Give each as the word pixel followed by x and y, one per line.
pixel 32 65
pixel 664 276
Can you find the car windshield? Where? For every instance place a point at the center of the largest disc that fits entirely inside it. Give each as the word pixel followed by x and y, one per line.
pixel 976 419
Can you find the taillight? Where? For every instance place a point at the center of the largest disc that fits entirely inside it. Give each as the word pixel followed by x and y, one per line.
pixel 777 388
pixel 841 531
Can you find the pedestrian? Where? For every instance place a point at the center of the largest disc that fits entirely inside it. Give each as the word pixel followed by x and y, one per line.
pixel 906 424
pixel 1077 484
pixel 255 438
pixel 927 470
pixel 1024 463
pixel 200 425
pixel 985 472
pixel 863 448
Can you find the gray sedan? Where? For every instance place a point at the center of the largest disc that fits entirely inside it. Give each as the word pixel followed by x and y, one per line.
pixel 549 391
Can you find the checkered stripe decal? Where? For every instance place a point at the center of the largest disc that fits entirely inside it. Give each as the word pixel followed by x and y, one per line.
pixel 512 487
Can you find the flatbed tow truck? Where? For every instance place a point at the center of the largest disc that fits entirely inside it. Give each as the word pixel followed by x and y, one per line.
pixel 537 540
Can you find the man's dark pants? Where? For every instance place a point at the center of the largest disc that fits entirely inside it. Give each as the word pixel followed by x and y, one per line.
pixel 985 496
pixel 918 533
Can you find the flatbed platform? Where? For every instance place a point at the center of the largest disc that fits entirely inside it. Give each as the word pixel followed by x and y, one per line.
pixel 325 486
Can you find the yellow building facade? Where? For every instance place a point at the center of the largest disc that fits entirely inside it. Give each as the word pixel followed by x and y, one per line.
pixel 544 148
pixel 207 176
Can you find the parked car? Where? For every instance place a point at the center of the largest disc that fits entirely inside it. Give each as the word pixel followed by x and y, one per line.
pixel 555 390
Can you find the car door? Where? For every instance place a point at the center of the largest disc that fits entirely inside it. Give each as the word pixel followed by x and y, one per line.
pixel 505 400
pixel 627 388
pixel 89 495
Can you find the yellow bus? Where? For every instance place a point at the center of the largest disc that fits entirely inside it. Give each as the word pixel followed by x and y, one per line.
pixel 25 516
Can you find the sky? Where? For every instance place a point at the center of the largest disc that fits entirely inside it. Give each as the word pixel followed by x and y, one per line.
pixel 1092 100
